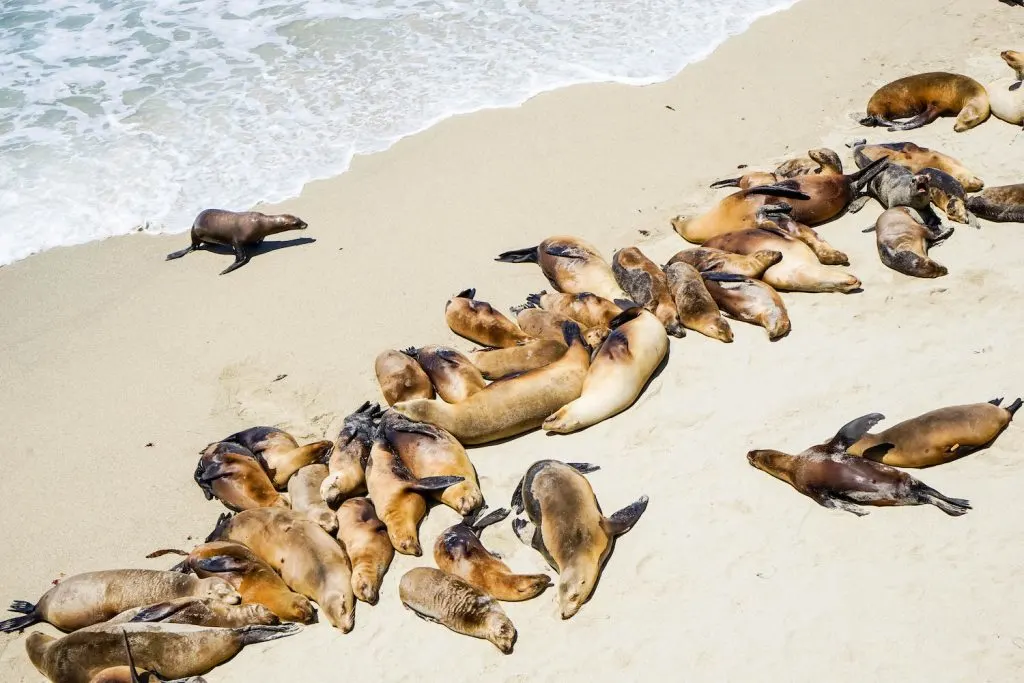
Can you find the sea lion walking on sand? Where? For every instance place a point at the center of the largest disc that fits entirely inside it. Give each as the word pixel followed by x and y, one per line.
pixel 922 98
pixel 480 322
pixel 697 309
pixel 903 243
pixel 750 301
pixel 366 542
pixel 571 265
pixel 1006 95
pixel 231 474
pixel 708 260
pixel 833 478
pixel 347 465
pixel 304 492
pixel 238 230
pixel 1002 204
pixel 914 159
pixel 646 284
pixel 567 527
pixel 453 375
pixel 279 452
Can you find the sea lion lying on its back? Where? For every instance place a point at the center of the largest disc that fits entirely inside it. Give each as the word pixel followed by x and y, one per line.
pixel 480 322
pixel 279 452
pixel 739 211
pixel 454 376
pixel 922 98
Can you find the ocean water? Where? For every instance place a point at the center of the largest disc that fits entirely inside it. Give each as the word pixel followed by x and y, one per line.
pixel 116 114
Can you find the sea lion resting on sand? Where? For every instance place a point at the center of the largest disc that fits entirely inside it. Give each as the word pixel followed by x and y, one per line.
pixel 279 453
pixel 238 230
pixel 897 186
pixel 903 243
pixel 366 542
pixel 304 492
pixel 1006 95
pixel 914 159
pixel 543 324
pixel 571 265
pixel 647 286
pixel 1001 204
pixel 130 674
pixel 708 260
pixel 939 436
pixel 347 466
pixel 200 612
pixel 833 478
pixel 739 211
pixel 750 301
pixel 586 308
pixel 231 474
pixel 823 160
pixel 453 375
pixel 697 309
pixel 400 377
pixel 922 98
pixel 480 322
pixel 497 363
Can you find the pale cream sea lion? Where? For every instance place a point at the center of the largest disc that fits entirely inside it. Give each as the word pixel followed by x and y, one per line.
pixel 231 474
pixel 739 211
pixel 304 492
pixel 697 309
pixel 750 301
pixel 645 283
pixel 453 375
pixel 239 230
pixel 707 260
pixel 922 98
pixel 347 466
pixel 497 363
pixel 401 378
pixel 571 265
pixel 480 322
pixel 915 159
pixel 369 549
pixel 1006 95
pixel 200 612
pixel 279 452
pixel 903 241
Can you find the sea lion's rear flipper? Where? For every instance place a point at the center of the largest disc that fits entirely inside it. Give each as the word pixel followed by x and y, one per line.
pixel 941 236
pixel 476 523
pixel 179 254
pixel 954 507
pixel 241 258
pixel 219 528
pixel 527 255
pixel 716 276
pixel 875 120
pixel 1014 407
pixel 221 563
pixel 20 623
pixel 727 182
pixel 858 204
pixel 466 294
pixel 857 143
pixel 852 431
pixel 412 351
pixel 533 300
pixel 973 221
pixel 261 634
pixel 997 401
pixel 428 484
pixel 517 497
pixel 22 607
pixel 878 451
pixel 924 118
pixel 779 190
pixel 162 610
pixel 836 504
pixel 623 520
pixel 448 355
pixel 166 551
pixel 862 177
pixel 563 251
pixel 583 467
pixel 631 313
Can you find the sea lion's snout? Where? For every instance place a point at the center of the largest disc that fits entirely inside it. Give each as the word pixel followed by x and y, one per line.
pixel 921 183
pixel 302 225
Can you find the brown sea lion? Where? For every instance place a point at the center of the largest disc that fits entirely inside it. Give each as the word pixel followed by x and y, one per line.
pixel 826 254
pixel 130 674
pixel 707 260
pixel 231 474
pixel 1006 95
pixel 444 599
pixel 304 492
pixel 458 551
pixel 366 541
pixel 497 363
pixel 309 560
pixel 903 243
pixel 915 159
pixel 697 310
pixel 645 283
pixel 430 452
pixel 543 324
pixel 922 98
pixel 513 405
pixel 200 612
pixel 589 310
pixel 239 230
pixel 938 436
pixel 619 372
pixel 255 580
pixel 948 194
pixel 480 322
pixel 833 478
pixel 567 527
pixel 347 466
pixel 279 452
pixel 897 186
pixel 738 211
pixel 822 161
pixel 453 375
pixel 93 597
pixel 1002 204
pixel 750 301
pixel 571 265
pixel 401 378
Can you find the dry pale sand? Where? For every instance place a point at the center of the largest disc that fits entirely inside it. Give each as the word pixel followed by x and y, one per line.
pixel 119 367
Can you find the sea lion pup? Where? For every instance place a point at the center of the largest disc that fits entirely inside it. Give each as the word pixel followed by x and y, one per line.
pixel 897 186
pixel 167 650
pixel 645 283
pixel 454 376
pixel 309 560
pixel 200 612
pixel 738 211
pixel 707 260
pixel 90 598
pixel 1001 204
pixel 231 474
pixel 571 265
pixel 833 478
pixel 619 372
pixel 938 436
pixel 750 301
pixel 498 363
pixel 822 161
pixel 401 378
pixel 949 195
pixel 304 492
pixel 480 322
pixel 255 580
pixel 398 495
pixel 429 452
pixel 347 466
pixel 279 452
pixel 239 230
pixel 903 243
pixel 922 98
pixel 567 527
pixel 587 309
pixel 513 405
pixel 697 310
pixel 914 159
pixel 458 551
pixel 369 549
pixel 1006 95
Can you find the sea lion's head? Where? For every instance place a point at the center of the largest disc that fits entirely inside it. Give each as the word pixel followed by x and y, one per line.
pixel 971 115
pixel 775 463
pixel 292 222
pixel 1015 60
pixel 921 184
pixel 575 584
pixel 956 209
pixel 828 160
pixel 219 589
pixel 500 630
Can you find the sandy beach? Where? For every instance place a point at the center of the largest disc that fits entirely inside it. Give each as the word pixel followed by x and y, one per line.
pixel 119 367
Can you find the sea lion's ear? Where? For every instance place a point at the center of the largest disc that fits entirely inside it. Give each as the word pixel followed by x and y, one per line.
pixel 878 451
pixel 852 431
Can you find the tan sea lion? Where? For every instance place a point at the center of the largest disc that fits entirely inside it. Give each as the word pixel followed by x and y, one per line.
pixel 366 541
pixel 915 159
pixel 739 211
pixel 513 405
pixel 542 324
pixel 93 597
pixel 304 492
pixel 444 599
pixel 826 254
pixel 480 322
pixel 279 452
pixel 497 363
pixel 1002 204
pixel 231 474
pixel 922 98
pixel 619 372
pixel 750 301
pixel 458 551
pixel 571 265
pixel 567 527
pixel 948 194
pixel 645 284
pixel 1006 95
pixel 903 242
pixel 822 160
pixel 309 560
pixel 938 436
pixel 200 612
pixel 589 310
pixel 707 260
pixel 130 674
pixel 453 375
pixel 697 310
pixel 401 378
pixel 833 478
pixel 347 466
pixel 239 230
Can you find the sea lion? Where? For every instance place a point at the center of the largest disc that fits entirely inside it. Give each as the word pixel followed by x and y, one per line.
pixel 619 372
pixel 238 230
pixel 914 159
pixel 645 283
pixel 938 436
pixel 347 476
pixel 903 243
pixel 398 495
pixel 750 301
pixel 567 527
pixel 90 598
pixel 200 612
pixel 497 363
pixel 571 265
pixel 738 211
pixel 833 478
pixel 897 186
pixel 826 254
pixel 1001 204
pixel 279 453
pixel 480 322
pixel 255 580
pixel 304 492
pixel 922 98
pixel 130 674
pixel 697 310
pixel 369 549
pixel 444 599
pixel 401 378
pixel 589 310
pixel 430 452
pixel 707 260
pixel 454 376
pixel 513 405
pixel 307 558
pixel 822 160
pixel 543 324
pixel 458 551
pixel 1006 95
pixel 167 650
pixel 231 474
pixel 948 194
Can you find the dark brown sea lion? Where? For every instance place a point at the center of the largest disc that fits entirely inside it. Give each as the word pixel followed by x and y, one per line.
pixel 567 527
pixel 738 211
pixel 707 260
pixel 453 375
pixel 304 492
pixel 347 466
pixel 939 436
pixel 401 378
pixel 231 474
pixel 497 363
pixel 822 160
pixel 238 230
pixel 833 478
pixel 1001 204
pixel 480 322
pixel 922 98
pixel 589 310
pixel 915 159
pixel 200 612
pixel 369 549
pixel 646 284
pixel 279 452
pixel 571 265
pixel 750 301
pixel 697 309
pixel 903 243
pixel 444 599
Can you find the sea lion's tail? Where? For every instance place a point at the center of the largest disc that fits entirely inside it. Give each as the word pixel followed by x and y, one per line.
pixel 1014 407
pixel 20 623
pixel 261 634
pixel 220 527
pixel 526 255
pixel 954 507
pixel 862 177
pixel 779 190
pixel 726 182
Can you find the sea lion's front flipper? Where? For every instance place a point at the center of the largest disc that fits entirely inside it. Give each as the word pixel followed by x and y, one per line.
pixel 517 497
pixel 261 634
pixel 428 484
pixel 241 258
pixel 221 563
pixel 1014 407
pixel 727 182
pixel 878 451
pixel 424 617
pixel 131 659
pixel 717 276
pixel 478 523
pixel 220 527
pixel 941 236
pixel 624 304
pixel 858 204
pixel 836 504
pixel 527 255
pixel 779 190
pixel 530 535
pixel 852 431
pixel 562 251
pixel 161 610
pixel 583 467
pixel 623 520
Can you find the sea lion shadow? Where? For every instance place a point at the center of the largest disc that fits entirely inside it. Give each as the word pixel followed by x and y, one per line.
pixel 262 247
